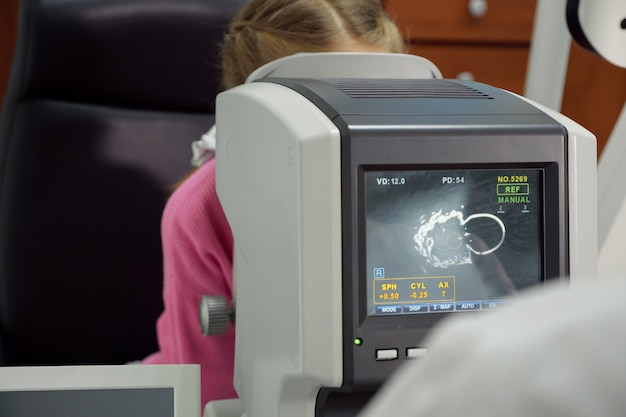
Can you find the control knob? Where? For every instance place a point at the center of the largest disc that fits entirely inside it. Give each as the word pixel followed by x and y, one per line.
pixel 214 315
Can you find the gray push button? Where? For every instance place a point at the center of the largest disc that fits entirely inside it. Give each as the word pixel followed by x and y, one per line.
pixel 386 354
pixel 416 352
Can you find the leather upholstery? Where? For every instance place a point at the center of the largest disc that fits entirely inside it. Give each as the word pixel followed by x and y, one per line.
pixel 104 100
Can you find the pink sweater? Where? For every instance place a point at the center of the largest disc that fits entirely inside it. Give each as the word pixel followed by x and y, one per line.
pixel 197 251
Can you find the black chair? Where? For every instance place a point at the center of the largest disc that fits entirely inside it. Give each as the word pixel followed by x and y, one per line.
pixel 104 100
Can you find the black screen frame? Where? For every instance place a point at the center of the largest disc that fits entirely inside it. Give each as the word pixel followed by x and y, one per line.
pixel 438 147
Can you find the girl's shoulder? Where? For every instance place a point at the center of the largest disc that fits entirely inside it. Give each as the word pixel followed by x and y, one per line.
pixel 196 198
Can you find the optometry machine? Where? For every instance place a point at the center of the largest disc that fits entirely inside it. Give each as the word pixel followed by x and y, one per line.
pixel 369 199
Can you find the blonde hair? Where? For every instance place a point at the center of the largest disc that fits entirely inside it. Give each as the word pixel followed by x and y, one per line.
pixel 265 30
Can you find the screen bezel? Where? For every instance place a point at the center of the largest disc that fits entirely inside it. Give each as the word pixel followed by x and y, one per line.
pixel 440 147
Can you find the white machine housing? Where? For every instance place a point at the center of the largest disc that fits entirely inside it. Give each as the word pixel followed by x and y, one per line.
pixel 136 390
pixel 600 26
pixel 285 181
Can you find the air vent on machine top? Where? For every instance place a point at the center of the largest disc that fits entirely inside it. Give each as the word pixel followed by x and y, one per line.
pixel 409 88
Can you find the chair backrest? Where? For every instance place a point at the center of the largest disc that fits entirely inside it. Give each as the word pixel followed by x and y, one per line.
pixel 104 100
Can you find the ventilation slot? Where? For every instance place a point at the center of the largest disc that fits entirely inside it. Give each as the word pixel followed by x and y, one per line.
pixel 388 88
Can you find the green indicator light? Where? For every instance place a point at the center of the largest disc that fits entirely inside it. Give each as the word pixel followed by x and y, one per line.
pixel 358 341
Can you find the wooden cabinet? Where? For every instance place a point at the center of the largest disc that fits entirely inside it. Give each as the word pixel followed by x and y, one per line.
pixel 595 92
pixel 484 40
pixel 497 21
pixel 8 33
pixel 498 66
pixel 489 41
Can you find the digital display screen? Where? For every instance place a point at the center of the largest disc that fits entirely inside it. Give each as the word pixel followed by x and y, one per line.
pixel 451 240
pixel 106 402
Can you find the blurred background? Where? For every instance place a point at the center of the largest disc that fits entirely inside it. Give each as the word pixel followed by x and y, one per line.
pixel 484 40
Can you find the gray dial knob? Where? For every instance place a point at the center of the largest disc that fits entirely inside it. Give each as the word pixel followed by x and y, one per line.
pixel 214 315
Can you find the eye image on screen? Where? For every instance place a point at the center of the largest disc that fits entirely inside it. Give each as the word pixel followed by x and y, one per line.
pixel 445 240
pixel 451 240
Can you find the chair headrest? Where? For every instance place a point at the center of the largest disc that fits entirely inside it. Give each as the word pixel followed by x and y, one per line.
pixel 164 54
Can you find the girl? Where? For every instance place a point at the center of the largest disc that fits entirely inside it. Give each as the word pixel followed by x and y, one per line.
pixel 197 242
